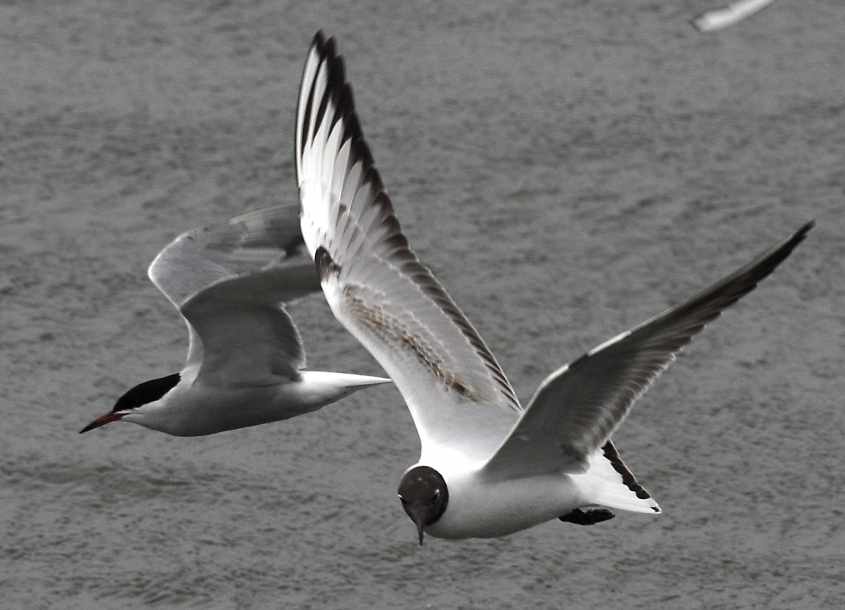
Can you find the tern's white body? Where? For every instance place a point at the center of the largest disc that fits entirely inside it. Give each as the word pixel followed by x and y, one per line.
pixel 194 409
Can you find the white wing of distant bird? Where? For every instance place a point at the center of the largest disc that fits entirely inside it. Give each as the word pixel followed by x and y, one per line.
pixel 729 15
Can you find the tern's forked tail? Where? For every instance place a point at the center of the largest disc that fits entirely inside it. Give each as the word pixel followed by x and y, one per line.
pixel 337 385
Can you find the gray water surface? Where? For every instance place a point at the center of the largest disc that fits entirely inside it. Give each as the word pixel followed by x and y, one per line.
pixel 567 168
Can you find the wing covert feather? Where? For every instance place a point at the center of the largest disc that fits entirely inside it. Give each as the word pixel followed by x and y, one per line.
pixel 200 257
pixel 228 282
pixel 247 336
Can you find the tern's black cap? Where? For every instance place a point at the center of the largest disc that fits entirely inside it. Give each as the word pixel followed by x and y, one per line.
pixel 148 391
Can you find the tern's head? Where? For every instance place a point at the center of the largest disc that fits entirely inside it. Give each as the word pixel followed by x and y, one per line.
pixel 424 496
pixel 141 394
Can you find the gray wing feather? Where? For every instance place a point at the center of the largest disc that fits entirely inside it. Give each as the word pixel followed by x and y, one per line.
pixel 203 256
pixel 374 283
pixel 228 281
pixel 577 408
pixel 247 336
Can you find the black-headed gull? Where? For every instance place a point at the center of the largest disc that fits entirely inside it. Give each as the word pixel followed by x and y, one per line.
pixel 488 467
pixel 245 356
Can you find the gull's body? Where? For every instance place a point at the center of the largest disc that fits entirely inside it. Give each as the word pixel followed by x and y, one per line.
pixel 245 357
pixel 482 509
pixel 488 465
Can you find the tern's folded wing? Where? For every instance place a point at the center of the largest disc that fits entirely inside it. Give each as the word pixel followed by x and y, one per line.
pixel 376 286
pixel 244 245
pixel 575 410
pixel 247 243
pixel 245 334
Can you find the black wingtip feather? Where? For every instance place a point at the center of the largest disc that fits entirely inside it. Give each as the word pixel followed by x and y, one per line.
pixel 340 92
pixel 780 253
pixel 329 49
pixel 325 264
pixel 612 454
pixel 710 303
pixel 748 277
pixel 373 176
pixel 334 80
pixel 318 40
pixel 346 107
pixel 802 232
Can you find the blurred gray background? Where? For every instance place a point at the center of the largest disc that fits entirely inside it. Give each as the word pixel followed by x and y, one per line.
pixel 568 169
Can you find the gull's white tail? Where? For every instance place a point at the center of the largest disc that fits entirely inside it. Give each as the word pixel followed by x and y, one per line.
pixel 609 482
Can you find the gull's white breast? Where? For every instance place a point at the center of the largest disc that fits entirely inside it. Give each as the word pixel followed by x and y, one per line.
pixel 478 508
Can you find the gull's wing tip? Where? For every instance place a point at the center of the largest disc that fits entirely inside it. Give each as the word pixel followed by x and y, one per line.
pixel 790 244
pixel 778 254
pixel 319 40
pixel 324 264
pixel 339 90
pixel 326 47
pixel 802 232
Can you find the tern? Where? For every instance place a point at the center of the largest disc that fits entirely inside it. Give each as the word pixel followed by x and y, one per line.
pixel 245 355
pixel 718 19
pixel 488 466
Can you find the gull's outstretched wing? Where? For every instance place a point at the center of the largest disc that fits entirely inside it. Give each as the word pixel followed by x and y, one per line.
pixel 576 408
pixel 375 285
pixel 228 282
pixel 729 15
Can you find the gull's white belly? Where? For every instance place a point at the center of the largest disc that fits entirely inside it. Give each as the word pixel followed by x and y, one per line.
pixel 480 509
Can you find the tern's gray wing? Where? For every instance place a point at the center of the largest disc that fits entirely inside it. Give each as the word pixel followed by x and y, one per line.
pixel 228 282
pixel 246 243
pixel 575 410
pixel 375 285
pixel 246 335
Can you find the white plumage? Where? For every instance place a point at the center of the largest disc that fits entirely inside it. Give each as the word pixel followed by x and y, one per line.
pixel 245 355
pixel 488 466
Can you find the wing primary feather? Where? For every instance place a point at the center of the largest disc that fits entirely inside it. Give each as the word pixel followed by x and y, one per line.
pixel 373 281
